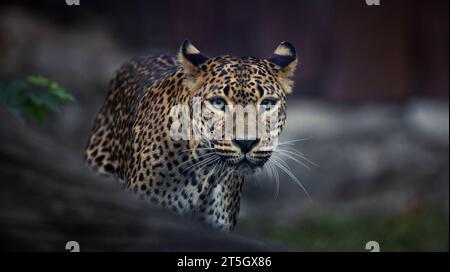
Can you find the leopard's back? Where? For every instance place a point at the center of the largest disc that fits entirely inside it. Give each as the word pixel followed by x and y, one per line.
pixel 108 147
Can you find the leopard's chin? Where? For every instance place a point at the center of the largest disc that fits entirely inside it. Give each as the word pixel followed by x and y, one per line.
pixel 246 166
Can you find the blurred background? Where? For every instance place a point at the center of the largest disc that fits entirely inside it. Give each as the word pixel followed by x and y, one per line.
pixel 370 102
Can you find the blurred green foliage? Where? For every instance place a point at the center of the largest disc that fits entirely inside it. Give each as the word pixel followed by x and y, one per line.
pixel 336 233
pixel 33 97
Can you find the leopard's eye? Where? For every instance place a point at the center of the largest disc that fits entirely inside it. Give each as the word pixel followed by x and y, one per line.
pixel 269 103
pixel 218 103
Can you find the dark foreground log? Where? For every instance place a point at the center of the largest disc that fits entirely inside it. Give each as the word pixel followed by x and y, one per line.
pixel 48 198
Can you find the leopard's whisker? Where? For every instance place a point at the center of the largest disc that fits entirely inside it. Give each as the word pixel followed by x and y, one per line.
pixel 291 142
pixel 277 180
pixel 273 175
pixel 284 153
pixel 207 161
pixel 198 164
pixel 194 149
pixel 197 158
pixel 213 169
pixel 298 154
pixel 282 165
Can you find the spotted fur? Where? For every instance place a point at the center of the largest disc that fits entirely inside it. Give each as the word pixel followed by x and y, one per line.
pixel 131 134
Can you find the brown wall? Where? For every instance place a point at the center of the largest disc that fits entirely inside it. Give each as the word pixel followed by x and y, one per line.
pixel 347 50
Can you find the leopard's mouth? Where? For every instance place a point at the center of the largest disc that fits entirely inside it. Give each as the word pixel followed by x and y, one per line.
pixel 243 163
pixel 248 166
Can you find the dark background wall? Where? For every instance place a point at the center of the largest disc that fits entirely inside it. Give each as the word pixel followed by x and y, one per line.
pixel 347 50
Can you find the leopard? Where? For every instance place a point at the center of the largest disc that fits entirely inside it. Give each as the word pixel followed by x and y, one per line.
pixel 132 136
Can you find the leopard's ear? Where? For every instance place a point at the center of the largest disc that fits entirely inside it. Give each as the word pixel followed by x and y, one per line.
pixel 190 58
pixel 285 59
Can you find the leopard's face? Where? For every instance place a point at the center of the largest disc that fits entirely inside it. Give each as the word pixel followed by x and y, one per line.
pixel 243 105
pixel 247 93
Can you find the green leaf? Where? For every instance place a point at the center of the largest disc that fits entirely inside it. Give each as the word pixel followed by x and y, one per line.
pixel 34 97
pixel 60 93
pixel 38 80
pixel 38 112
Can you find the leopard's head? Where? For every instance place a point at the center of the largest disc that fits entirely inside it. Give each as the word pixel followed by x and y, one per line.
pixel 242 101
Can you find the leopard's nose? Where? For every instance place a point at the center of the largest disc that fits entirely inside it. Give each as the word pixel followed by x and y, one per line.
pixel 246 145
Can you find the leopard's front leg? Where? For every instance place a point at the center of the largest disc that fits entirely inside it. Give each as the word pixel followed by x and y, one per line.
pixel 220 206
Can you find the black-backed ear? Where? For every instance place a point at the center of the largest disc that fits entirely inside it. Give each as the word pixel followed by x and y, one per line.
pixel 285 59
pixel 284 56
pixel 190 58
